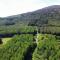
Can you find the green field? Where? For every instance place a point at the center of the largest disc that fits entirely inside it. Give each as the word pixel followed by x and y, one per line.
pixel 5 41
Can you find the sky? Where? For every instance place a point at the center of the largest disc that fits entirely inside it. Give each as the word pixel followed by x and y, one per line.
pixel 14 7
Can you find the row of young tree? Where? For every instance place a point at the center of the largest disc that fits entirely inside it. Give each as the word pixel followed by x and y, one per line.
pixel 49 29
pixel 16 29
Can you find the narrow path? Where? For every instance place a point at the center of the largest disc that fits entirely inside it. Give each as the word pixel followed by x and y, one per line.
pixel 31 49
pixel 28 55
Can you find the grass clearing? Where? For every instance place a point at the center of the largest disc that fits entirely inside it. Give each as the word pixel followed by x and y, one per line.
pixel 5 40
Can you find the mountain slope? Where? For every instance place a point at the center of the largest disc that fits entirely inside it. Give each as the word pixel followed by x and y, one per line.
pixel 47 19
pixel 42 16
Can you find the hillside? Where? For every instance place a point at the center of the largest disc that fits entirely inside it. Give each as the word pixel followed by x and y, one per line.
pixel 47 19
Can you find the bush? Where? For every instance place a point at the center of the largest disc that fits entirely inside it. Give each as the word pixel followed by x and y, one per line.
pixel 47 48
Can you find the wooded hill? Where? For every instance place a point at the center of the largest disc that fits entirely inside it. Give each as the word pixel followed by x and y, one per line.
pixel 46 19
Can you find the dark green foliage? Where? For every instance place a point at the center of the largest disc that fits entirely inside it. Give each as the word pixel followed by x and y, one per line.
pixel 16 48
pixel 47 48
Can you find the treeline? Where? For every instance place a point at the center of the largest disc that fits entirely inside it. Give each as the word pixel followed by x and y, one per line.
pixel 49 30
pixel 17 29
